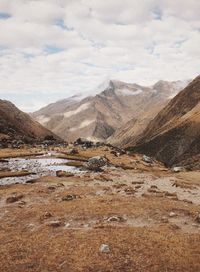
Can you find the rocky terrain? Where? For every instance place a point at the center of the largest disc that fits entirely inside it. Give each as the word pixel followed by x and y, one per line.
pixel 17 125
pixel 133 214
pixel 127 134
pixel 92 206
pixel 173 135
pixel 98 117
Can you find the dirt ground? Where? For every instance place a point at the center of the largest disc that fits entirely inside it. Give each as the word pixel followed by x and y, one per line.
pixel 148 217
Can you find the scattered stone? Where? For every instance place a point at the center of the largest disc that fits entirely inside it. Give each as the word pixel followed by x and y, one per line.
pixel 172 214
pixel 137 182
pixel 118 219
pixel 55 224
pixel 195 225
pixel 69 197
pixel 60 184
pixel 154 187
pixel 187 201
pixel 46 215
pixel 174 227
pixel 152 190
pixel 197 218
pixel 31 181
pixel 147 159
pixel 51 187
pixel 14 198
pixel 119 186
pixel 21 203
pixel 138 186
pixel 104 248
pixel 164 219
pixel 96 163
pixel 177 169
pixel 61 173
pixel 170 194
pixel 129 191
pixel 73 151
pixel 84 143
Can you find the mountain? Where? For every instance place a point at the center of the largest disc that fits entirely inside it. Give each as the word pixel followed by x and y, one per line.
pixel 15 124
pixel 173 136
pixel 97 117
pixel 164 91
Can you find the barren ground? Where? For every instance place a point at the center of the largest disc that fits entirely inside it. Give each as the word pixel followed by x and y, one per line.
pixel 147 215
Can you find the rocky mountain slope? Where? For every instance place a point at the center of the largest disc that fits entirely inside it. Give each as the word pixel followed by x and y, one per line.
pixel 97 117
pixel 128 133
pixel 15 124
pixel 174 134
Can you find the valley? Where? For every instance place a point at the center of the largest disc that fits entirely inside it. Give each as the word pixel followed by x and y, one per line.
pixel 99 136
pixel 130 210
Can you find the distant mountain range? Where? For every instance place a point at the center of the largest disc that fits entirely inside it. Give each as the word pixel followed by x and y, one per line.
pixel 15 125
pixel 173 136
pixel 99 117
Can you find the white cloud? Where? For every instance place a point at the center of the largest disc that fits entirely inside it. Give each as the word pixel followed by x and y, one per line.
pixel 62 47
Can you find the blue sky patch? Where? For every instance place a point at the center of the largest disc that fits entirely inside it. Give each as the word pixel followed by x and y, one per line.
pixel 61 23
pixel 51 49
pixel 157 13
pixel 4 15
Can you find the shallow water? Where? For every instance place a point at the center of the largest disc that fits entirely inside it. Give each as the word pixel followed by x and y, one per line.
pixel 37 166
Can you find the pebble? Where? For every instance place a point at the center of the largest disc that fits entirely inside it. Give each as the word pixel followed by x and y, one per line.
pixel 116 219
pixel 14 198
pixel 172 214
pixel 104 248
pixel 68 197
pixel 54 224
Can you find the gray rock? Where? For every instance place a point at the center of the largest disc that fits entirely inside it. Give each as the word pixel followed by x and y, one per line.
pixel 55 224
pixel 172 214
pixel 73 151
pixel 147 159
pixel 104 248
pixel 177 169
pixel 116 219
pixel 95 163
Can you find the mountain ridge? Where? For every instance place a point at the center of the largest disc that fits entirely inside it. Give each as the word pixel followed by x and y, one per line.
pixel 15 124
pixel 173 135
pixel 98 117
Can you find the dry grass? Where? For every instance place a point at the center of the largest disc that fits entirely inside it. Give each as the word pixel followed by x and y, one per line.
pixel 5 174
pixel 29 244
pixel 9 152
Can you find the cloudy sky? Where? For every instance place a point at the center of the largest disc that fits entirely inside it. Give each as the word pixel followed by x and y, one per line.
pixel 51 49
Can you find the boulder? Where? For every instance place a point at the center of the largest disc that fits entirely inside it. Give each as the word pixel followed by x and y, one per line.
pixel 147 159
pixel 96 163
pixel 177 169
pixel 84 142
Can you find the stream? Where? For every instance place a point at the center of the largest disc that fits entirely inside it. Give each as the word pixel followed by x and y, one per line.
pixel 45 165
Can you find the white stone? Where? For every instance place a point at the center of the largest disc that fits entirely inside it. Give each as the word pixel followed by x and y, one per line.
pixel 104 248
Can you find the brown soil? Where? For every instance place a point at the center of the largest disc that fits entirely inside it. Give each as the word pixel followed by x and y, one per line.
pixel 59 224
